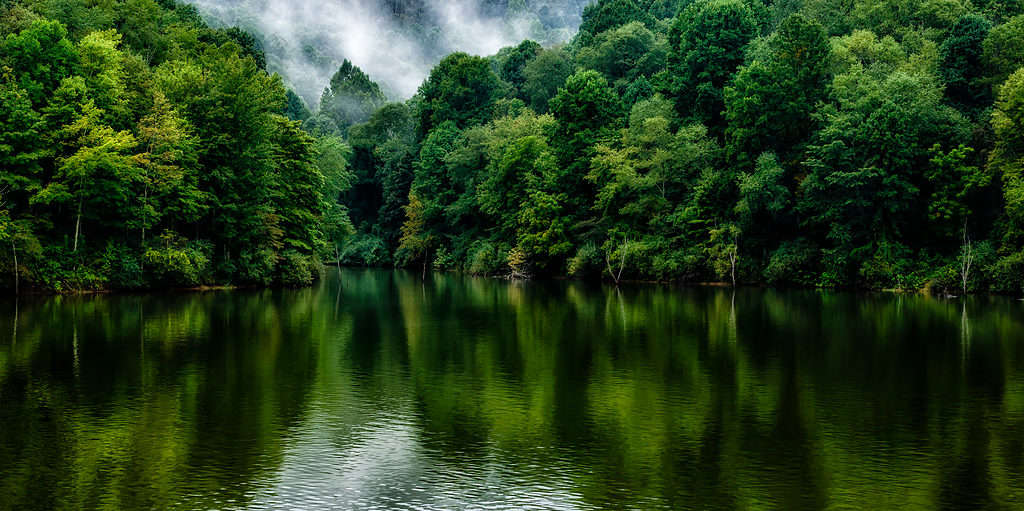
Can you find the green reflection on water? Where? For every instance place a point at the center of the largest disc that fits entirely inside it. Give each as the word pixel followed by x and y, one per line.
pixel 377 388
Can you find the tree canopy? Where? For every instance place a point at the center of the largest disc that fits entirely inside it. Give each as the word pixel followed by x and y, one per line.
pixel 788 143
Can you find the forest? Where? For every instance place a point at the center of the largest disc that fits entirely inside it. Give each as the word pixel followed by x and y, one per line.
pixel 873 144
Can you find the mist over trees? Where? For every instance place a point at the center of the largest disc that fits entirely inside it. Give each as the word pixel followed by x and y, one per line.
pixel 396 42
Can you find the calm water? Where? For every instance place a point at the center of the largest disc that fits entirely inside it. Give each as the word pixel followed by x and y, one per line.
pixel 389 393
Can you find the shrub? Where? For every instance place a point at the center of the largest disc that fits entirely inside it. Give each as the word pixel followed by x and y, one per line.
pixel 587 262
pixel 1007 274
pixel 256 266
pixel 793 263
pixel 945 280
pixel 679 264
pixel 892 265
pixel 486 259
pixel 443 259
pixel 122 267
pixel 298 270
pixel 364 250
pixel 177 264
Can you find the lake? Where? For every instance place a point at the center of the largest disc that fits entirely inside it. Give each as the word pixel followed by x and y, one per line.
pixel 378 390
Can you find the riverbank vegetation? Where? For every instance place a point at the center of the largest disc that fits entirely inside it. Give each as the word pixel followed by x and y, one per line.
pixel 874 144
pixel 141 149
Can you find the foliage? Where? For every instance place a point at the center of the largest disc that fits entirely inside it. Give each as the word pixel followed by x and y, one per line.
pixel 706 42
pixel 351 97
pixel 800 143
pixel 461 89
pixel 119 122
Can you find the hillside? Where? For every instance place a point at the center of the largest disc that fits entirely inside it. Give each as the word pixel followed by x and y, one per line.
pixel 871 145
pixel 396 42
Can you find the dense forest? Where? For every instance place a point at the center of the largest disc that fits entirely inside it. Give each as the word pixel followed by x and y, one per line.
pixel 866 143
pixel 872 143
pixel 140 148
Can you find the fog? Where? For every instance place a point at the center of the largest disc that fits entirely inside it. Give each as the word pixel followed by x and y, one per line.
pixel 396 42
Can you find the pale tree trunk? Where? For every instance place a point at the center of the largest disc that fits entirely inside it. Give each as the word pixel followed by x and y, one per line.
pixel 14 252
pixel 145 200
pixel 337 263
pixel 617 277
pixel 78 225
pixel 14 334
pixel 966 260
pixel 733 256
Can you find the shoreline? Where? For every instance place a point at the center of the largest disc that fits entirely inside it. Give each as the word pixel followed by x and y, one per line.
pixel 644 282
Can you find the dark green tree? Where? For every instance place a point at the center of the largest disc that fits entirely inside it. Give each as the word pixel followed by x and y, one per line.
pixel 707 42
pixel 543 76
pixel 962 66
pixel 461 89
pixel 587 111
pixel 770 104
pixel 608 14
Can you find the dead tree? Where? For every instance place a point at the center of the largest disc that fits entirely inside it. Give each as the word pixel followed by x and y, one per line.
pixel 617 276
pixel 966 259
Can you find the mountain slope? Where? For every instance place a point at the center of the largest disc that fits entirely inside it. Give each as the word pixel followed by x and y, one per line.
pixel 396 42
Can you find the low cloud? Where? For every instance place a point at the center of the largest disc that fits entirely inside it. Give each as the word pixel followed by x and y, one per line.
pixel 396 42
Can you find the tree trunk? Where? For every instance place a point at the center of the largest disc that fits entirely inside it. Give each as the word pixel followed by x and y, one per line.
pixel 78 225
pixel 14 252
pixel 966 260
pixel 424 276
pixel 732 260
pixel 617 277
pixel 145 200
pixel 14 333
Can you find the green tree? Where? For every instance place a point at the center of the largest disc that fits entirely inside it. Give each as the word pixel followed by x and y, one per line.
pixel 587 111
pixel 543 237
pixel 232 106
pixel 866 184
pixel 651 184
pixel 296 108
pixel 706 42
pixel 96 177
pixel 461 89
pixel 102 66
pixel 332 160
pixel 512 64
pixel 543 75
pixel 1007 157
pixel 769 107
pixel 1003 50
pixel 416 241
pixel 515 147
pixel 22 152
pixel 962 65
pixel 625 53
pixel 955 183
pixel 351 98
pixel 609 14
pixel 42 56
pixel 431 183
pixel 168 171
pixel 299 189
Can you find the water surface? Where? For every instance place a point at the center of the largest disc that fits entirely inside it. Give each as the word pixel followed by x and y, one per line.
pixel 377 390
